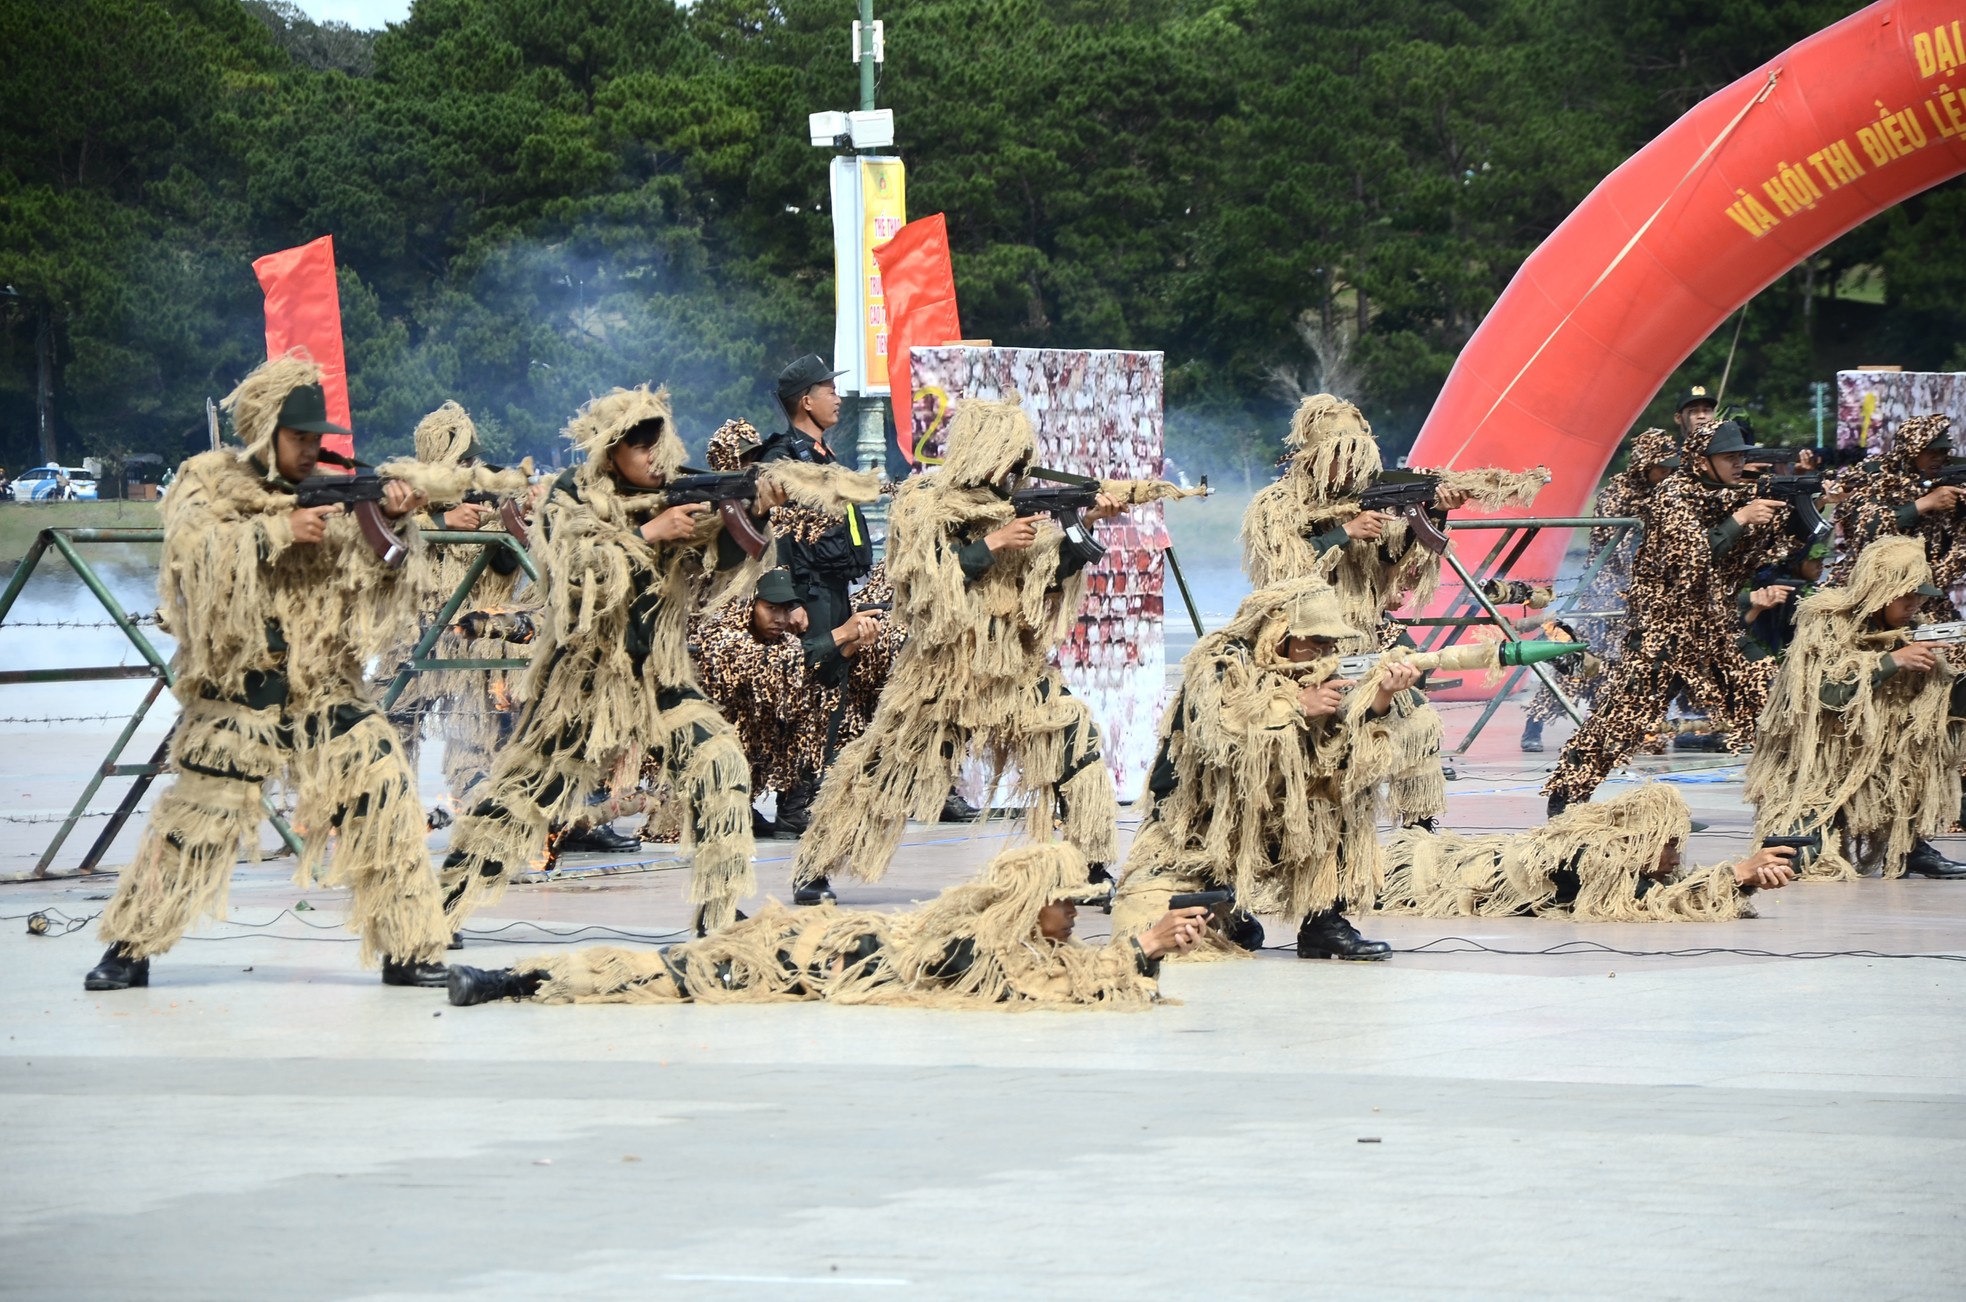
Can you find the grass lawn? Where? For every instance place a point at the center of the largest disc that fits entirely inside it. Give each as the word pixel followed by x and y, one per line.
pixel 20 521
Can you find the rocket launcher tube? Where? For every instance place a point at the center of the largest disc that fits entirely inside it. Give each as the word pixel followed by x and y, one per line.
pixel 1468 655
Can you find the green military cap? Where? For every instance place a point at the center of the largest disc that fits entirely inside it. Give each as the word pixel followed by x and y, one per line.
pixel 1928 590
pixel 306 410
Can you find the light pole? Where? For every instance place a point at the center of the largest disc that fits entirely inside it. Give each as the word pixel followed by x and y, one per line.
pixel 868 409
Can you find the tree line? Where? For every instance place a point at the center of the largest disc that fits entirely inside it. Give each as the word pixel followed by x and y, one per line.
pixel 533 200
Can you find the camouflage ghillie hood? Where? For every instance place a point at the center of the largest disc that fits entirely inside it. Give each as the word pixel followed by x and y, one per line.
pixel 603 422
pixel 987 441
pixel 446 436
pixel 1651 449
pixel 1305 607
pixel 1330 445
pixel 255 405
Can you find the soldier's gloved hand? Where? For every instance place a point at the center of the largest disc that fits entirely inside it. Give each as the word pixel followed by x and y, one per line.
pixel 676 524
pixel 1946 497
pixel 1769 868
pixel 310 523
pixel 1367 526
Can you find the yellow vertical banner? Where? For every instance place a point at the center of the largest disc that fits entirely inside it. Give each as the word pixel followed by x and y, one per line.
pixel 884 211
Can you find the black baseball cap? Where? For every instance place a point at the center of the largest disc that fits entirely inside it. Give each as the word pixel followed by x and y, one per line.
pixel 1694 397
pixel 803 374
pixel 306 410
pixel 777 588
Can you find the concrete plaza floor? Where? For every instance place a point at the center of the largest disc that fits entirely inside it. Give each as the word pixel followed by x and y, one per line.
pixel 267 1121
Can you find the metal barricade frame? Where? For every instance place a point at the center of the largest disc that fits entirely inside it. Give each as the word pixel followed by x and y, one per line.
pixel 156 667
pixel 1472 607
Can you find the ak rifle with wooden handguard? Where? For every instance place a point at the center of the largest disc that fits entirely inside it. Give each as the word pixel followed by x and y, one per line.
pixel 1066 496
pixel 732 494
pixel 511 516
pixel 1409 495
pixel 365 488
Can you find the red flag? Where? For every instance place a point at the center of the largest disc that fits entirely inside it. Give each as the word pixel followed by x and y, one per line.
pixel 303 310
pixel 920 284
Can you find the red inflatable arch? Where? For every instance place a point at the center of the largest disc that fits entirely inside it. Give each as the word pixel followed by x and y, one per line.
pixel 1739 190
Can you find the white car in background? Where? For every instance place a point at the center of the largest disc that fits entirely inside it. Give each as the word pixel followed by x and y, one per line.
pixel 45 484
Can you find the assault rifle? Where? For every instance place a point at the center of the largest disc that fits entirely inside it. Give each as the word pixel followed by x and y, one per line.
pixel 364 489
pixel 1067 495
pixel 1518 592
pixel 1469 655
pixel 1950 475
pixel 1947 631
pixel 511 517
pixel 1409 495
pixel 1799 493
pixel 732 495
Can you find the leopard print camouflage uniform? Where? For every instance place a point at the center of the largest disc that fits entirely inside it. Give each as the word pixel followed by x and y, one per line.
pixel 1626 495
pixel 1686 628
pixel 1878 503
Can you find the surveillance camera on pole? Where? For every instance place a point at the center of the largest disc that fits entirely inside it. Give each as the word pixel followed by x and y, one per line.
pixel 858 131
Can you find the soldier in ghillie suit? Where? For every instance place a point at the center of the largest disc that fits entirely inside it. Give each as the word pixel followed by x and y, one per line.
pixel 1001 941
pixel 472 708
pixel 1860 740
pixel 1266 776
pixel 985 596
pixel 1310 521
pixel 1617 861
pixel 1706 533
pixel 1626 495
pixel 277 610
pixel 611 680
pixel 1892 494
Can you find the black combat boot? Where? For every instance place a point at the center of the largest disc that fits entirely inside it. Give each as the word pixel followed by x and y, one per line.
pixel 1925 860
pixel 477 985
pixel 117 971
pixel 402 972
pixel 795 809
pixel 1329 935
pixel 817 891
pixel 599 838
pixel 1532 735
pixel 1244 930
pixel 957 810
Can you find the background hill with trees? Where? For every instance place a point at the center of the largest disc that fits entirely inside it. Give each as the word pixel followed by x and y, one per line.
pixel 533 200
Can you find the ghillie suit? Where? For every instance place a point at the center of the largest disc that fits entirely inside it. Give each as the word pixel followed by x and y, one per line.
pixel 1851 747
pixel 977 945
pixel 1879 502
pixel 1298 524
pixel 1248 793
pixel 1685 630
pixel 274 638
pixel 974 677
pixel 1626 495
pixel 473 709
pixel 611 679
pixel 1595 863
